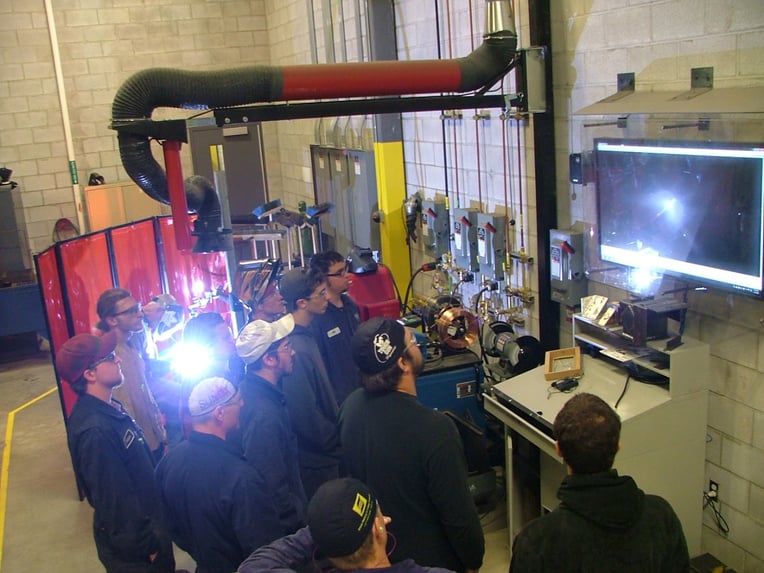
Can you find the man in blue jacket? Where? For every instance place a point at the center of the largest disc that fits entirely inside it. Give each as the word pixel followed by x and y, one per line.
pixel 267 438
pixel 309 394
pixel 334 328
pixel 215 505
pixel 112 461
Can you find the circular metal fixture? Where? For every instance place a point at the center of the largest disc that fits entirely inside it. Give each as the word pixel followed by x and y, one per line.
pixel 457 327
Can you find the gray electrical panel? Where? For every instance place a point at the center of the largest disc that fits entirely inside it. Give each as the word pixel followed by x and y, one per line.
pixel 465 239
pixel 14 247
pixel 322 186
pixel 435 236
pixel 566 267
pixel 363 199
pixel 343 213
pixel 491 246
pixel 347 179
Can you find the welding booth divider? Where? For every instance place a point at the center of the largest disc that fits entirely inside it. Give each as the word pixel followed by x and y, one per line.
pixel 141 257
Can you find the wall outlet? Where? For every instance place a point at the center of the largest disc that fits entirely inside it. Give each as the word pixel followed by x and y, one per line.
pixel 713 488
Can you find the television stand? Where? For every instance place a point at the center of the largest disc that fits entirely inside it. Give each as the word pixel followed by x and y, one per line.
pixel 663 426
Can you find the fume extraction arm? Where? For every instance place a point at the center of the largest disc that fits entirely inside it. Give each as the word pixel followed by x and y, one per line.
pixel 149 89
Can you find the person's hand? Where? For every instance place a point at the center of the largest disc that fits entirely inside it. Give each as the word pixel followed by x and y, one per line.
pixel 153 556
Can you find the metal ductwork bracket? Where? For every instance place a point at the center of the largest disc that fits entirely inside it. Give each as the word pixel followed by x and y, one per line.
pixel 530 77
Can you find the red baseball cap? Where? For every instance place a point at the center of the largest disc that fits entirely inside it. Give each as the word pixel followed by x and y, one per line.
pixel 80 351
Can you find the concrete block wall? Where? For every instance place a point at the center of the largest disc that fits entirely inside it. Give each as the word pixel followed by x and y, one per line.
pixel 100 44
pixel 477 160
pixel 660 42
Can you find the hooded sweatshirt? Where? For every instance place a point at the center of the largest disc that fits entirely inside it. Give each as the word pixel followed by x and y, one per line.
pixel 604 523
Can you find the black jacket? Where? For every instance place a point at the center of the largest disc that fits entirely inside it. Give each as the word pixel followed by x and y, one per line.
pixel 270 446
pixel 412 458
pixel 114 466
pixel 215 506
pixel 334 330
pixel 604 523
pixel 311 403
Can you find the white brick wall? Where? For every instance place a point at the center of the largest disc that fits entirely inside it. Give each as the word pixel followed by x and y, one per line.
pixel 660 42
pixel 102 43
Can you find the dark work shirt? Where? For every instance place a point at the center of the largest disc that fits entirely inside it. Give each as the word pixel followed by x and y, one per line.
pixel 215 505
pixel 270 446
pixel 333 331
pixel 412 458
pixel 604 523
pixel 311 403
pixel 115 468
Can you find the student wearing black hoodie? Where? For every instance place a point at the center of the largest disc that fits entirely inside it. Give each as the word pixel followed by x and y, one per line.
pixel 604 521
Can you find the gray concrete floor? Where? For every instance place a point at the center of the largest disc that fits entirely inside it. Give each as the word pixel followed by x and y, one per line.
pixel 46 527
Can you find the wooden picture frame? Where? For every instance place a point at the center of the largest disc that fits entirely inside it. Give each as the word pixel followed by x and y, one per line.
pixel 563 363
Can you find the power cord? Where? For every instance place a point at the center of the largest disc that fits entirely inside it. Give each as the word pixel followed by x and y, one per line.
pixel 395 284
pixel 623 392
pixel 710 499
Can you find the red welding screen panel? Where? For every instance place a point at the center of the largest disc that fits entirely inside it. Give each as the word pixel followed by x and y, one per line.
pixel 135 257
pixel 87 273
pixel 177 264
pixel 55 312
pixel 50 287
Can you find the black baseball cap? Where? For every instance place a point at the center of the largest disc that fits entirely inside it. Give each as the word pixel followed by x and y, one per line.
pixel 377 344
pixel 340 516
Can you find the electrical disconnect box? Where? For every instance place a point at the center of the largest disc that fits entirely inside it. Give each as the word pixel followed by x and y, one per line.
pixel 435 237
pixel 491 246
pixel 465 239
pixel 566 266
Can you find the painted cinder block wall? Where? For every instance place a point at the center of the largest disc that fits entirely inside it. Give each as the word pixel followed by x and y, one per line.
pixel 661 42
pixel 103 42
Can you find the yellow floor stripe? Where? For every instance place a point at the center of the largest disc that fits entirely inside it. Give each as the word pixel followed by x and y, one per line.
pixel 7 462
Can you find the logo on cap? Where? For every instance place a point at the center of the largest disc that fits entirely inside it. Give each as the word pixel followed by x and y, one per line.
pixel 360 504
pixel 383 348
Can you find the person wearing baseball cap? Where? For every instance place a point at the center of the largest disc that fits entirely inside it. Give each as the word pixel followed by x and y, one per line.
pixel 216 507
pixel 308 391
pixel 112 461
pixel 411 456
pixel 266 436
pixel 346 525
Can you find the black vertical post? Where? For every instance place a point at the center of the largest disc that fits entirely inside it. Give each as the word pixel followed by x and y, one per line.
pixel 546 178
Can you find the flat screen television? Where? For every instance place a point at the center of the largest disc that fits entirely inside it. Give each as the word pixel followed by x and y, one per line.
pixel 686 208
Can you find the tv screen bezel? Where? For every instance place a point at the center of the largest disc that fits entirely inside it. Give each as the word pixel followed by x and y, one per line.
pixel 724 280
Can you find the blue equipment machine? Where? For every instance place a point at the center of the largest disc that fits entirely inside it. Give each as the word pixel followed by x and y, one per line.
pixel 452 384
